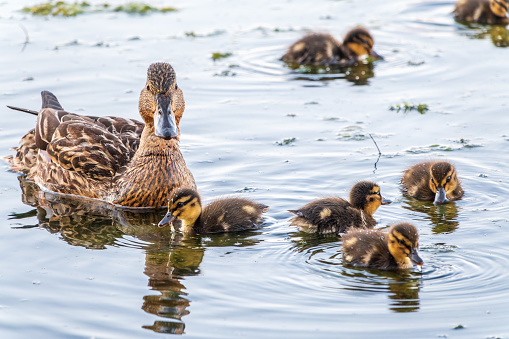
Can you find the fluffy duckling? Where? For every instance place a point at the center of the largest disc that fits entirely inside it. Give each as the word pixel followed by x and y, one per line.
pixel 335 215
pixel 319 49
pixel 396 249
pixel 493 12
pixel 220 216
pixel 432 180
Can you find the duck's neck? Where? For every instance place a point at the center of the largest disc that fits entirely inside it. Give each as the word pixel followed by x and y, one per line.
pixel 152 145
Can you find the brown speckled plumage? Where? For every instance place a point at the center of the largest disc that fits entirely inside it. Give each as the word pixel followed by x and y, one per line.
pixel 319 49
pixel 492 12
pixel 335 215
pixel 422 180
pixel 220 216
pixel 121 161
pixel 395 249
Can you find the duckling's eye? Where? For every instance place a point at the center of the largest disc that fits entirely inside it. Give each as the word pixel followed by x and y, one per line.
pixel 180 204
pixel 433 181
pixel 401 241
pixel 371 199
pixel 448 179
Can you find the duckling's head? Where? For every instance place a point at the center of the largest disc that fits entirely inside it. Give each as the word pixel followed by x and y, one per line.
pixel 499 7
pixel 161 101
pixel 443 181
pixel 185 205
pixel 404 245
pixel 366 196
pixel 360 42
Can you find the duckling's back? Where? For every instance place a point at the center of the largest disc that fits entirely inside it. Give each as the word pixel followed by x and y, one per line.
pixel 330 216
pixel 479 11
pixel 314 49
pixel 415 181
pixel 230 215
pixel 367 248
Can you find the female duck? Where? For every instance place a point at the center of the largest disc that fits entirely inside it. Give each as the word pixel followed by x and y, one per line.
pixel 397 249
pixel 220 216
pixel 121 161
pixel 318 49
pixel 335 215
pixel 432 180
pixel 493 12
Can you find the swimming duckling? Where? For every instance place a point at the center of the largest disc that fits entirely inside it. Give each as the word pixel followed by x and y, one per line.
pixel 319 49
pixel 222 215
pixel 335 215
pixel 432 180
pixel 493 12
pixel 396 249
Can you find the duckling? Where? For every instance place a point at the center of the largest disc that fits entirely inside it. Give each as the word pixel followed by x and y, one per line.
pixel 319 49
pixel 220 216
pixel 493 12
pixel 334 215
pixel 432 180
pixel 396 249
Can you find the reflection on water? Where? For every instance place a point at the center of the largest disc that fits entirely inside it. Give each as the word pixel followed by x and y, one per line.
pixel 498 34
pixel 402 286
pixel 358 73
pixel 169 256
pixel 443 217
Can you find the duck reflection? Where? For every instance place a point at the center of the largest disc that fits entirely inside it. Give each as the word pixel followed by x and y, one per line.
pixel 498 35
pixel 443 217
pixel 359 74
pixel 169 256
pixel 402 286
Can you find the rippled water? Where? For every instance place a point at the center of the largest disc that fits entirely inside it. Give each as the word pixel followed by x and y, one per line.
pixel 255 128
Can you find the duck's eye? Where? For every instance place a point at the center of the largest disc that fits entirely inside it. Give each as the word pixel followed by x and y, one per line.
pixel 401 241
pixel 148 87
pixel 176 86
pixel 433 181
pixel 371 199
pixel 448 179
pixel 180 204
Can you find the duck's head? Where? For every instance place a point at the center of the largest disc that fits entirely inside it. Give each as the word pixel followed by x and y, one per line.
pixel 366 195
pixel 499 7
pixel 404 245
pixel 443 181
pixel 184 205
pixel 360 43
pixel 161 102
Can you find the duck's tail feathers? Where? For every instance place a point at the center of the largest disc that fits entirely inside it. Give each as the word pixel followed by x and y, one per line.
pixel 49 100
pixel 23 110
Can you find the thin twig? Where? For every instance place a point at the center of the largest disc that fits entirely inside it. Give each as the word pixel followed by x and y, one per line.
pixel 379 153
pixel 27 39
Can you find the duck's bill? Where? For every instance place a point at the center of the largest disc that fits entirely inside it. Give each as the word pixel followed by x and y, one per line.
pixel 440 197
pixel 164 118
pixel 376 56
pixel 167 220
pixel 416 259
pixel 386 201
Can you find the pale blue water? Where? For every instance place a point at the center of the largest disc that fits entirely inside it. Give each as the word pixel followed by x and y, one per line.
pixel 119 276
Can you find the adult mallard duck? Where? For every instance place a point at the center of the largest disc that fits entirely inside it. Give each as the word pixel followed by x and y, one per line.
pixel 121 161
pixel 396 249
pixel 432 180
pixel 220 216
pixel 493 12
pixel 335 215
pixel 319 49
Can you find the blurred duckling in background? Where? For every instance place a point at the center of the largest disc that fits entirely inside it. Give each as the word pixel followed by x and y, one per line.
pixel 493 12
pixel 396 249
pixel 320 49
pixel 335 215
pixel 220 216
pixel 432 180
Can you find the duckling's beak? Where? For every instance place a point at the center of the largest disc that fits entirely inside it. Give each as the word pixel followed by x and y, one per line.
pixel 375 55
pixel 386 201
pixel 414 256
pixel 440 197
pixel 167 220
pixel 164 118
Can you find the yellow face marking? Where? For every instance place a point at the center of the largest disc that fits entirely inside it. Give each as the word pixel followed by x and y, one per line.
pixel 186 209
pixel 498 7
pixel 374 200
pixel 358 49
pixel 350 242
pixel 326 212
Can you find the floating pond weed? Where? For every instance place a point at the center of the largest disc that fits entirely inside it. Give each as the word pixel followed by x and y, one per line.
pixel 62 8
